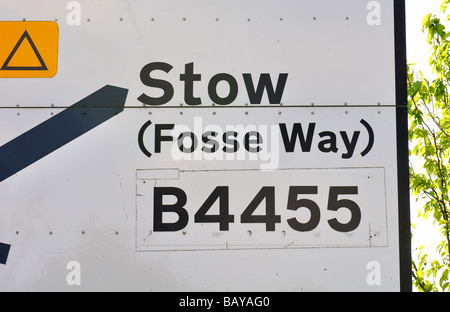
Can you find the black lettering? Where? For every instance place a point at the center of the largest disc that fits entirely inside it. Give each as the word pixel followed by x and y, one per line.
pixel 156 83
pixel 294 204
pixel 159 138
pixel 335 204
pixel 141 139
pixel 220 194
pixel 331 142
pixel 297 131
pixel 265 83
pixel 226 139
pixel 189 77
pixel 350 145
pixel 267 194
pixel 181 139
pixel 207 139
pixel 212 89
pixel 248 141
pixel 178 207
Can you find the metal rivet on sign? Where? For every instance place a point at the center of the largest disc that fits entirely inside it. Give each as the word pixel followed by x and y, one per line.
pixel 184 232
pixel 83 232
pixel 249 232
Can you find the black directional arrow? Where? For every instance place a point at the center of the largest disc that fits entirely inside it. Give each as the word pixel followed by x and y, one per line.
pixel 4 251
pixel 61 129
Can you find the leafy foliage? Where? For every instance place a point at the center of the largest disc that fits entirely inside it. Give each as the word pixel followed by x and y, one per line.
pixel 429 136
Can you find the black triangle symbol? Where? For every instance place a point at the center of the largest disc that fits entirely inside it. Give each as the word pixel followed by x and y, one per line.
pixel 25 35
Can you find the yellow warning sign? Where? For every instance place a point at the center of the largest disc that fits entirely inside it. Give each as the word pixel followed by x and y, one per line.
pixel 28 49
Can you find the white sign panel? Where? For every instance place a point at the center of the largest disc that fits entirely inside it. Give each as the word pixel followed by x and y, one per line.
pixel 202 146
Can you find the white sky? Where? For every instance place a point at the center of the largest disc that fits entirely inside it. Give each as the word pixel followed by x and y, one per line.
pixel 418 50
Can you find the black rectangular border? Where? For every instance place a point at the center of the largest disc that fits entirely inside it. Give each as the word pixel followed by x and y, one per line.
pixel 401 95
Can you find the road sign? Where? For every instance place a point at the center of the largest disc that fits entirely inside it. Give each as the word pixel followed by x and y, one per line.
pixel 228 146
pixel 28 49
